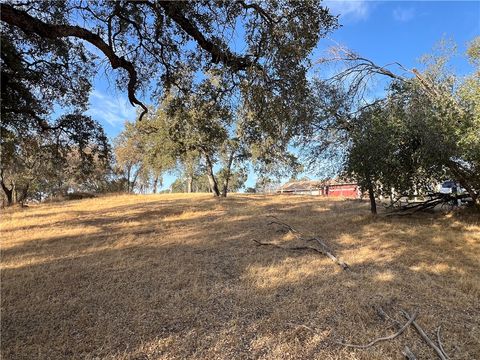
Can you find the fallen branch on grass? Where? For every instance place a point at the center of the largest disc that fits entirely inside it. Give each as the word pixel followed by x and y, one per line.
pixel 288 247
pixel 285 225
pixel 434 200
pixel 406 351
pixel 384 316
pixel 425 337
pixel 409 355
pixel 297 248
pixel 329 254
pixel 439 340
pixel 324 249
pixel 385 338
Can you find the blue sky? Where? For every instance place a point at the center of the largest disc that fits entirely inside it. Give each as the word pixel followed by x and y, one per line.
pixel 383 31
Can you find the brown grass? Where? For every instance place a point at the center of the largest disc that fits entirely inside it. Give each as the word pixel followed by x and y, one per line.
pixel 177 276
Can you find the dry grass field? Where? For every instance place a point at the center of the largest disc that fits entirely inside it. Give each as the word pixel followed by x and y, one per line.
pixel 179 277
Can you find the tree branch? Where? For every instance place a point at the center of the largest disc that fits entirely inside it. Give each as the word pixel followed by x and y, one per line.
pixel 391 337
pixel 225 56
pixel 258 9
pixel 30 24
pixel 425 337
pixel 324 250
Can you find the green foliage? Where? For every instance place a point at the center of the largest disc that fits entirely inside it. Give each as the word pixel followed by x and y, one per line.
pixel 473 52
pixel 37 166
pixel 427 129
pixel 43 155
pixel 144 154
pixel 28 63
pixel 155 39
pixel 197 121
pixel 181 44
pixel 237 178
pixel 265 184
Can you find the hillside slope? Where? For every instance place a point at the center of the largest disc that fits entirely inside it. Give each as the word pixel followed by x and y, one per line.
pixel 178 276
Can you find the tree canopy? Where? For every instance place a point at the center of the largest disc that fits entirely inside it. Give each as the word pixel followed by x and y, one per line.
pixel 225 83
pixel 155 39
pixel 258 52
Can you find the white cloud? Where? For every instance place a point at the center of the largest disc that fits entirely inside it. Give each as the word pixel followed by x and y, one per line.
pixel 403 14
pixel 113 110
pixel 353 10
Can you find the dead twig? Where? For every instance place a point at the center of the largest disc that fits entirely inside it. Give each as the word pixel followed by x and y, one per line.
pixel 439 340
pixel 385 316
pixel 409 355
pixel 385 338
pixel 289 247
pixel 324 249
pixel 301 326
pixel 288 227
pixel 327 253
pixel 281 223
pixel 425 337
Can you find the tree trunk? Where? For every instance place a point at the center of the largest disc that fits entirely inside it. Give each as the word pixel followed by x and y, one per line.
pixel 189 184
pixel 24 194
pixel 134 180
pixel 462 179
pixel 8 193
pixel 155 183
pixel 225 185
pixel 128 178
pixel 211 177
pixel 371 195
pixel 227 174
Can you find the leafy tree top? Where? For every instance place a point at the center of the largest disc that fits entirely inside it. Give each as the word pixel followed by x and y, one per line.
pixel 154 39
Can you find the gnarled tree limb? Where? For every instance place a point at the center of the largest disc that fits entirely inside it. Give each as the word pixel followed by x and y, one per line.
pixel 30 24
pixel 236 63
pixel 324 249
pixel 258 9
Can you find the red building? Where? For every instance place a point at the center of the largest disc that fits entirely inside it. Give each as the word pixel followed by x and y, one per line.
pixel 347 190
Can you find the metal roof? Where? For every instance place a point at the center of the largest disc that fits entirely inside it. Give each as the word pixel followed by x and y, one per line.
pixel 310 185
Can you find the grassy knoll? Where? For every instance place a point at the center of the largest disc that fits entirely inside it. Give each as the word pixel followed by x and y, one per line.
pixel 177 276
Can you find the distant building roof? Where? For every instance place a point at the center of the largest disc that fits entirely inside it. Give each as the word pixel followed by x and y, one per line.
pixel 340 181
pixel 311 185
pixel 304 185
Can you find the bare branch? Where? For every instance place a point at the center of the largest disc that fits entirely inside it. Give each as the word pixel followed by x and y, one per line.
pixel 409 355
pixel 324 249
pixel 385 338
pixel 425 337
pixel 225 56
pixel 440 345
pixel 258 9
